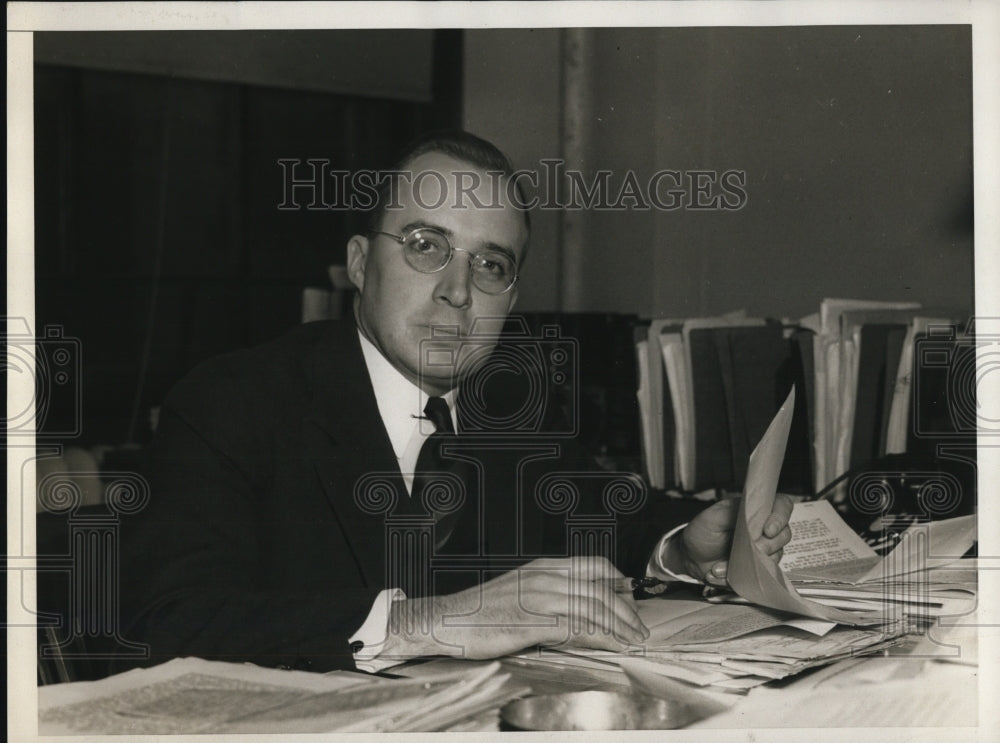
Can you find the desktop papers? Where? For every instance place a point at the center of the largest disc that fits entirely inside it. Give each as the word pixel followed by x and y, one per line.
pixel 827 571
pixel 190 695
pixel 673 622
pixel 933 694
pixel 181 696
pixel 823 547
pixel 846 600
pixel 920 579
pixel 727 646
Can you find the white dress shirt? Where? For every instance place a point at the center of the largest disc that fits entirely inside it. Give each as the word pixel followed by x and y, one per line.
pixel 401 404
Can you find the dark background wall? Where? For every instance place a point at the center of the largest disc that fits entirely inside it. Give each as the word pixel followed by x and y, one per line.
pixel 856 143
pixel 159 242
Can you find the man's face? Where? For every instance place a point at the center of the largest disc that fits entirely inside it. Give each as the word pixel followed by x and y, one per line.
pixel 397 305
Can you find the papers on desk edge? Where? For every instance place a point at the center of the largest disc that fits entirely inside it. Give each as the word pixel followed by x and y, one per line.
pixel 191 695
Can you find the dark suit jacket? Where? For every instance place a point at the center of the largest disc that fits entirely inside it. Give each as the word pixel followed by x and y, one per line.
pixel 254 546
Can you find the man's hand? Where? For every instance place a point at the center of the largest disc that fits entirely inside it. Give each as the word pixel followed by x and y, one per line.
pixel 702 550
pixel 580 601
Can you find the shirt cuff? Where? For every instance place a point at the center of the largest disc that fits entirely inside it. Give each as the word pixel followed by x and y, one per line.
pixel 657 567
pixel 368 642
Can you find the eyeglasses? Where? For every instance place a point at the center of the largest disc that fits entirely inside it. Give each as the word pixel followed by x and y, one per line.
pixel 429 251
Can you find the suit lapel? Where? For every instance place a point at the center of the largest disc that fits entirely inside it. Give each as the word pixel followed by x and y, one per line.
pixel 350 448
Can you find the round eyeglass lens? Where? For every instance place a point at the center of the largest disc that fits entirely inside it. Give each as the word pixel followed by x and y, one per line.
pixel 427 251
pixel 492 272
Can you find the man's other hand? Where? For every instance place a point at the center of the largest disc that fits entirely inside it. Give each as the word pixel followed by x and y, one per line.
pixel 579 602
pixel 704 545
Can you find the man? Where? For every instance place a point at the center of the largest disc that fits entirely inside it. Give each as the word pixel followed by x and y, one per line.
pixel 263 540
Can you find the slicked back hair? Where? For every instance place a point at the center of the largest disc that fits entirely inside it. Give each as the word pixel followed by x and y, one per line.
pixel 460 145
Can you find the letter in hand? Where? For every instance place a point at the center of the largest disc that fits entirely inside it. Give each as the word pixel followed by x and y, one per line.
pixel 704 545
pixel 574 601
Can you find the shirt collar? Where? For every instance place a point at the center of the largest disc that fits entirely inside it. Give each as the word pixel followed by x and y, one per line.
pixel 399 399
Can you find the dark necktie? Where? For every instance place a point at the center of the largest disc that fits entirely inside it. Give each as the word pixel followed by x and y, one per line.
pixel 432 472
pixel 444 490
pixel 439 414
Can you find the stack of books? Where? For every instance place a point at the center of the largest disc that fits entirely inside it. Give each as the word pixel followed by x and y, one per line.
pixel 707 389
pixel 865 359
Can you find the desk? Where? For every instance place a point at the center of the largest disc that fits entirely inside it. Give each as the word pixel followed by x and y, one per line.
pixel 930 681
pixel 922 684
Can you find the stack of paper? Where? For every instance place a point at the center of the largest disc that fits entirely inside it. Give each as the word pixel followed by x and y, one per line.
pixel 929 680
pixel 768 655
pixel 831 597
pixel 190 695
pixel 726 646
pixel 830 564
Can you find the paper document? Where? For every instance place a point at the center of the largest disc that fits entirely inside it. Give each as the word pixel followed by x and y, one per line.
pixel 752 574
pixel 184 695
pixel 189 695
pixel 785 644
pixel 712 623
pixel 823 546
